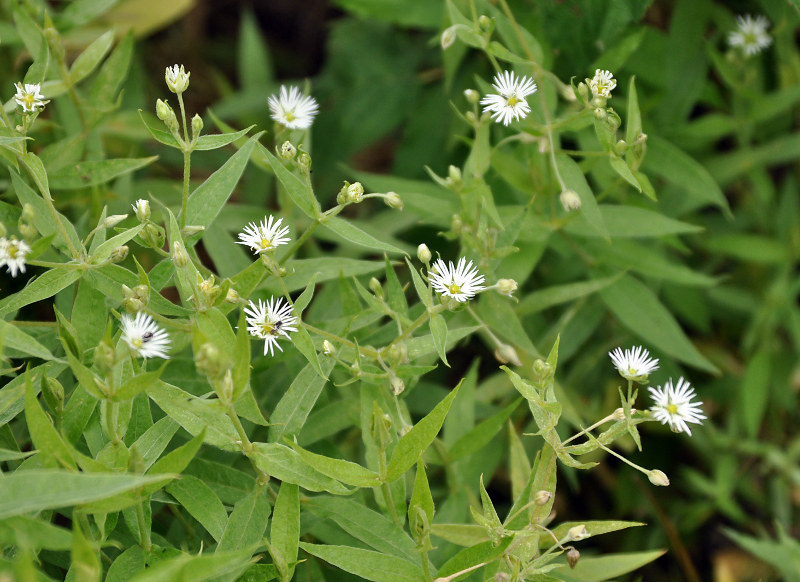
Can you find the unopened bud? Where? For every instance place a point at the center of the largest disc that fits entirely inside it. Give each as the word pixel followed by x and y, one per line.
pixel 454 176
pixel 225 389
pixel 355 192
pixel 398 353
pixel 392 200
pixel 304 161
pixel 621 147
pixel 288 151
pixel 456 224
pixel 232 296
pixel 375 287
pixel 165 113
pixel 191 230
pixel 501 577
pixel 53 393
pixel 570 200
pixel 141 292
pixel 486 23
pixel 573 556
pixel 208 290
pixel 177 79
pixel 542 370
pixel 506 354
pixel 424 253
pixel 600 113
pixel 119 254
pixel 471 117
pixel 658 478
pixel 398 386
pixel 209 361
pixel 28 212
pixel 579 532
pixel 132 305
pixel 472 96
pixel 327 348
pixel 27 230
pixel 179 255
pixel 506 286
pixel 619 414
pixel 542 497
pixel 104 358
pixel 448 37
pixel 114 220
pixel 197 126
pixel 583 91
pixel 142 209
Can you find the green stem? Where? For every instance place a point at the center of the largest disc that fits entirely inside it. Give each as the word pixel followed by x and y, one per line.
pixel 144 531
pixel 426 570
pixel 187 163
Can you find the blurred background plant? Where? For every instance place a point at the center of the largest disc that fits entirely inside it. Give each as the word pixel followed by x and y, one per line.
pixel 719 265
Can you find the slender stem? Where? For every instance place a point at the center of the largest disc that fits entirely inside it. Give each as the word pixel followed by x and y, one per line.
pixel 246 444
pixel 426 570
pixel 594 426
pixel 187 164
pixel 144 531
pixel 299 242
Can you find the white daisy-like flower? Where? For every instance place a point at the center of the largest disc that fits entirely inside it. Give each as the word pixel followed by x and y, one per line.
pixel 144 337
pixel 460 282
pixel 510 101
pixel 269 321
pixel 177 78
pixel 29 97
pixel 602 83
pixel 751 36
pixel 634 364
pixel 293 109
pixel 12 254
pixel 265 236
pixel 674 406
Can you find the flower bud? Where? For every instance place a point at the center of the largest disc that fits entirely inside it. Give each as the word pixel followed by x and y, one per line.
pixel 197 126
pixel 287 151
pixel 397 385
pixel 392 200
pixel 179 255
pixel 119 254
pixel 456 224
pixel 424 253
pixel 27 230
pixel 506 354
pixel 153 235
pixel 573 556
pixel 454 179
pixel 570 200
pixel 619 414
pixel 621 147
pixel 398 353
pixel 177 79
pixel 53 393
pixel 209 360
pixel 355 192
pixel 132 305
pixel 165 113
pixel 232 296
pixel 506 286
pixel 470 116
pixel 600 113
pixel 225 389
pixel 542 370
pixel 114 220
pixel 578 532
pixel 501 577
pixel 472 96
pixel 486 23
pixel 448 37
pixel 542 497
pixel 207 290
pixel 105 357
pixel 28 212
pixel 375 287
pixel 327 348
pixel 142 209
pixel 658 478
pixel 191 230
pixel 141 292
pixel 304 161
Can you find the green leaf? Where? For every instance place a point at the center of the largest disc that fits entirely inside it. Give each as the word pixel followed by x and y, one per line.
pixel 111 75
pixel 633 123
pixel 574 179
pixel 91 57
pixel 295 405
pixel 95 172
pixel 598 569
pixel 284 535
pixel 639 310
pixel 104 251
pixel 207 200
pixel 84 561
pixel 754 390
pixel 218 140
pixel 154 440
pixel 477 554
pixel 29 532
pixel 366 563
pixel 462 534
pixel 621 168
pixel 241 358
pixel 595 528
pixel 633 222
pixel 287 465
pixel 439 335
pixel 299 191
pixel 349 232
pixel 373 528
pixel 421 496
pixel 345 471
pixel 423 292
pixel 13 337
pixel 197 567
pixel 109 280
pixel 414 442
pixel 248 521
pixel 160 135
pixel 38 69
pixel 126 565
pixel 304 344
pixel 176 461
pixel 136 384
pixel 557 294
pixel 52 449
pixel 479 437
pixel 32 490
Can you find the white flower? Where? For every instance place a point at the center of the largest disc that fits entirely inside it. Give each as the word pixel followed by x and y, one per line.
pixel 634 364
pixel 29 97
pixel 265 236
pixel 269 321
pixel 144 337
pixel 142 209
pixel 674 406
pixel 751 35
pixel 602 83
pixel 460 282
pixel 510 103
pixel 12 254
pixel 293 109
pixel 177 79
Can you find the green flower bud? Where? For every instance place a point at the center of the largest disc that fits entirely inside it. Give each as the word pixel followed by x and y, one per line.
pixel 119 254
pixel 53 393
pixel 506 354
pixel 355 192
pixel 209 361
pixel 424 254
pixel 191 230
pixel 506 286
pixel 486 24
pixel 142 209
pixel 542 497
pixel 232 296
pixel 179 255
pixel 327 348
pixel 375 287
pixel 105 357
pixel 114 220
pixel 542 370
pixel 578 532
pixel 658 478
pixel 287 151
pixel 28 212
pixel 304 161
pixel 448 37
pixel 141 292
pixel 197 126
pixel 28 231
pixel 393 200
pixel 397 385
pixel 472 96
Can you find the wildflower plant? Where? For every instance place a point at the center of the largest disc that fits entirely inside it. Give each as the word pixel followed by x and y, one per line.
pixel 439 353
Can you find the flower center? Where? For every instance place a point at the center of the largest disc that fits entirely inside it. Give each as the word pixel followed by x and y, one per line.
pixel 138 342
pixel 12 251
pixel 513 100
pixel 266 243
pixel 671 409
pixel 29 99
pixel 290 116
pixel 454 288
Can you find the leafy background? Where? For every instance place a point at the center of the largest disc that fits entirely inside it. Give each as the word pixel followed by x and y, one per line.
pixel 722 151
